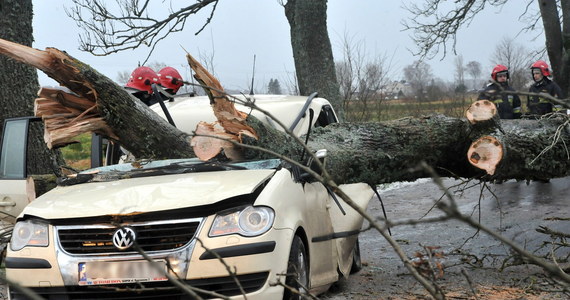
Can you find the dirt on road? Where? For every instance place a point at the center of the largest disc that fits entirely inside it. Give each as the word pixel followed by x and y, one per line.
pixel 468 264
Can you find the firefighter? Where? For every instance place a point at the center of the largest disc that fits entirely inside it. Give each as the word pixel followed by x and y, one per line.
pixel 140 84
pixel 170 80
pixel 542 84
pixel 508 105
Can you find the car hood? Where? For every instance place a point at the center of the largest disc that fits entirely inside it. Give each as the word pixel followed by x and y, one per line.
pixel 146 194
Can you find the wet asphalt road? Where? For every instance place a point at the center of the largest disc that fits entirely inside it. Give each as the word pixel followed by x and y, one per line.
pixel 513 209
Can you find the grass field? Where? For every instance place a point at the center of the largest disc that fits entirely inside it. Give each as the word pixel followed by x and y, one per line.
pixel 77 155
pixel 394 109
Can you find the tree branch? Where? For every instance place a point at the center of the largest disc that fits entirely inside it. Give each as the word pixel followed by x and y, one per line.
pixel 434 30
pixel 107 32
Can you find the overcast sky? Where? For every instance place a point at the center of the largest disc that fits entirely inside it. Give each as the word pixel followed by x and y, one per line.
pixel 242 28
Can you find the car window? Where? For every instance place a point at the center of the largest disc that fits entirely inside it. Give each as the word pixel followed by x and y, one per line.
pixel 326 117
pixel 12 163
pixel 16 191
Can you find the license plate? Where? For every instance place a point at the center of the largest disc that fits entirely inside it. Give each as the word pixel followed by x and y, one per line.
pixel 115 272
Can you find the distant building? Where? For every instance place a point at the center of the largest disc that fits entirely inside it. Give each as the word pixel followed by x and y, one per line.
pixel 395 90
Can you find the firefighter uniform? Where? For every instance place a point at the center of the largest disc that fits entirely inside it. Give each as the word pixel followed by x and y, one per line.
pixel 540 105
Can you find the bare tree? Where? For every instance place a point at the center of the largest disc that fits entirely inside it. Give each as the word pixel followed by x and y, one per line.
pixel 435 28
pixel 474 70
pixel 419 75
pixel 436 90
pixel 361 77
pixel 517 58
pixel 135 23
pixel 208 59
pixel 291 85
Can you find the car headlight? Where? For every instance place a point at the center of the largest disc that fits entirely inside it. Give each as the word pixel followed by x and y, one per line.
pixel 29 233
pixel 246 221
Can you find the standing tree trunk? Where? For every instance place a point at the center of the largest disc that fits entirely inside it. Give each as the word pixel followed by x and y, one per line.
pixel 314 63
pixel 564 76
pixel 19 82
pixel 557 40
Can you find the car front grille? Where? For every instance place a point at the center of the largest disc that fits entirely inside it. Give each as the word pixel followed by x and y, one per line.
pixel 151 236
pixel 152 290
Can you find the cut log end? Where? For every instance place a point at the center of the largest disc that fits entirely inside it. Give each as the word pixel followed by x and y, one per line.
pixel 486 153
pixel 209 142
pixel 481 111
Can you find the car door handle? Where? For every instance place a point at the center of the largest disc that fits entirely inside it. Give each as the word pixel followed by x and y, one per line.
pixel 7 203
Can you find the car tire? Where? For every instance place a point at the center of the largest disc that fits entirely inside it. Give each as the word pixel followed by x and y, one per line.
pixel 297 270
pixel 356 259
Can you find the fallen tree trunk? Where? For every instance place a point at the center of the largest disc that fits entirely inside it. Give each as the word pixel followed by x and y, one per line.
pixel 126 119
pixel 363 152
pixel 535 148
pixel 391 151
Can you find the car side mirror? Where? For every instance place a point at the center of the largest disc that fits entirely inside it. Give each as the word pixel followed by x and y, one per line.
pixel 321 155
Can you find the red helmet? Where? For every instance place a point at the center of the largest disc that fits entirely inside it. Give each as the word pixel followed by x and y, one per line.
pixel 543 66
pixel 142 78
pixel 170 78
pixel 499 69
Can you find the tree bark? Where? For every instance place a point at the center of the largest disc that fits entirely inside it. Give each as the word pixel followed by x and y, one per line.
pixel 564 72
pixel 557 40
pixel 358 152
pixel 19 83
pixel 391 151
pixel 314 63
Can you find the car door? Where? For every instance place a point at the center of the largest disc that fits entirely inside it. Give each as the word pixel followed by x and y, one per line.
pixel 322 247
pixel 348 222
pixel 16 189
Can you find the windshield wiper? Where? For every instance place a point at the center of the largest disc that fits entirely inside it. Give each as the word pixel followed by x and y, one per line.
pixel 183 167
pixel 171 169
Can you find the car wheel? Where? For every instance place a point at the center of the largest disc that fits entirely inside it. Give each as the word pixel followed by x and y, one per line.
pixel 356 259
pixel 297 270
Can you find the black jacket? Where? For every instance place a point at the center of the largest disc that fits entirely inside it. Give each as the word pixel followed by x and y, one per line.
pixel 508 105
pixel 538 105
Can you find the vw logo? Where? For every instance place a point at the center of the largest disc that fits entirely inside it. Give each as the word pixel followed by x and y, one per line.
pixel 124 238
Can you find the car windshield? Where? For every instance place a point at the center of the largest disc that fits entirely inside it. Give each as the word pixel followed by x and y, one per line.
pixel 164 167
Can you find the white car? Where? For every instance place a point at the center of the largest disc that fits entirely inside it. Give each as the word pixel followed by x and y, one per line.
pixel 131 231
